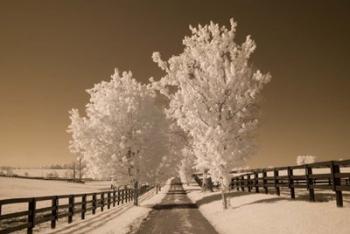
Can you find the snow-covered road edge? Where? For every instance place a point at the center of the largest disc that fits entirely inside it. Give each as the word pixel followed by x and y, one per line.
pixel 130 220
pixel 265 213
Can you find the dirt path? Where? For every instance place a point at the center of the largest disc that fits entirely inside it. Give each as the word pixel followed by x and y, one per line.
pixel 176 214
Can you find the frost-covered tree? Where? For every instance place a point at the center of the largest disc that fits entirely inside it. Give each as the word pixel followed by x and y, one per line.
pixel 214 92
pixel 305 159
pixel 186 168
pixel 124 135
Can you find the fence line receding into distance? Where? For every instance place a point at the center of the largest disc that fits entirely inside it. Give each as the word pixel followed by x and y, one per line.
pixel 28 219
pixel 329 175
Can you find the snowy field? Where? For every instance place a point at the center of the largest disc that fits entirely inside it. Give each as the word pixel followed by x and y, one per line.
pixel 11 187
pixel 251 213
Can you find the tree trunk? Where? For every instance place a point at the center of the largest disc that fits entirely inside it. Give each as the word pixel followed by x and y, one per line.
pixel 156 185
pixel 207 184
pixel 224 189
pixel 74 171
pixel 224 199
pixel 136 193
pixel 210 184
pixel 204 180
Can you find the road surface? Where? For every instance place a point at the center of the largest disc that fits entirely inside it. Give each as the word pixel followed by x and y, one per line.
pixel 176 214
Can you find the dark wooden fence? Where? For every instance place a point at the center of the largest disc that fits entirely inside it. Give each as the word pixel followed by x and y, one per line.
pixel 76 204
pixel 328 175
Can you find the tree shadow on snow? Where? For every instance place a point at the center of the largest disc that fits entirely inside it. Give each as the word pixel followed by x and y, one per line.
pixel 175 206
pixel 217 197
pixel 267 200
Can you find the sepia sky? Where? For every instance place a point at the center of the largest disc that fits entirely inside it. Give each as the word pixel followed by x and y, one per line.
pixel 51 51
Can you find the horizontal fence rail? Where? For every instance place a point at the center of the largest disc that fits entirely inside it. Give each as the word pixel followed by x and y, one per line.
pixel 328 175
pixel 62 206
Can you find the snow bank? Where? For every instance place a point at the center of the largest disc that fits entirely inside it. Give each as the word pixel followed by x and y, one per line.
pixel 264 213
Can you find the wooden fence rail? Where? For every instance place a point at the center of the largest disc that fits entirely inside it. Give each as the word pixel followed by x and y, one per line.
pixel 77 204
pixel 328 175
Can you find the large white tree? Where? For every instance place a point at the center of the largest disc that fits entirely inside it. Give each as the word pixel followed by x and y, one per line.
pixel 124 135
pixel 214 92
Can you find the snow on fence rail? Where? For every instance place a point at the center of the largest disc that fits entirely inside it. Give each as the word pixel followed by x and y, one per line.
pixel 328 175
pixel 28 219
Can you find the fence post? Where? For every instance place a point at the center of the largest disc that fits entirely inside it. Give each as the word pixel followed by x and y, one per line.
pixel 136 195
pixel 71 208
pixel 249 183
pixel 309 183
pixel 31 215
pixel 54 213
pixel 256 182
pixel 265 181
pixel 118 199
pixel 94 203
pixel 108 200
pixel 102 200
pixel 122 195
pixel 237 183
pixel 276 181
pixel 114 194
pixel 126 194
pixel 242 183
pixel 336 182
pixel 83 206
pixel 291 182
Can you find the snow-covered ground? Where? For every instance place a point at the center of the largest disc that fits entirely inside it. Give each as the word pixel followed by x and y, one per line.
pixel 266 213
pixel 11 187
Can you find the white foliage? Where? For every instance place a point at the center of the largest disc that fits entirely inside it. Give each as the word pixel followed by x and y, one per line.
pixel 213 93
pixel 305 159
pixel 124 134
pixel 186 168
